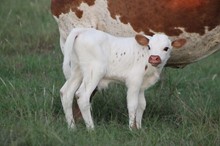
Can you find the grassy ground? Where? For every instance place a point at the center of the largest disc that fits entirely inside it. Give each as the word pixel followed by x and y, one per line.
pixel 183 109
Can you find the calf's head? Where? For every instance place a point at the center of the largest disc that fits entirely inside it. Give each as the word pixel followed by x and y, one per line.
pixel 160 47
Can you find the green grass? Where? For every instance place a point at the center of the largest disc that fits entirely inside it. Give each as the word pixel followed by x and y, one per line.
pixel 182 109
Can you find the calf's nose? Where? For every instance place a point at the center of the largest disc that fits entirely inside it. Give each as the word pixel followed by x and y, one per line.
pixel 155 57
pixel 154 60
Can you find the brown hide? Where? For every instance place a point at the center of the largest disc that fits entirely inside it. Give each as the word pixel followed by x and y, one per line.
pixel 157 15
pixel 64 6
pixel 165 15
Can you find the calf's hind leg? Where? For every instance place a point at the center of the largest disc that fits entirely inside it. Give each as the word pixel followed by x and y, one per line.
pixel 76 111
pixel 67 93
pixel 90 81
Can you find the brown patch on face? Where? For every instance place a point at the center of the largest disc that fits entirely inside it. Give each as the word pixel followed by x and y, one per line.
pixel 64 6
pixel 178 43
pixel 165 15
pixel 141 40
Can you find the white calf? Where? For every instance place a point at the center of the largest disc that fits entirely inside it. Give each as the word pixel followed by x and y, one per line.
pixel 93 58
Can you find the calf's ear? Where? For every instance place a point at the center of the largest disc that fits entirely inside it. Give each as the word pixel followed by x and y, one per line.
pixel 141 39
pixel 178 43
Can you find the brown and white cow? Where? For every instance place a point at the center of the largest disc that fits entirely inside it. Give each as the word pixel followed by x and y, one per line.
pixel 196 20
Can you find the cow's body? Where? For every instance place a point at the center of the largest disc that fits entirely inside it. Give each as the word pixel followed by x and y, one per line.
pixel 196 20
pixel 93 58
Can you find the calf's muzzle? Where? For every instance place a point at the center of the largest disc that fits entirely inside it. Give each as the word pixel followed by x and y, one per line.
pixel 154 60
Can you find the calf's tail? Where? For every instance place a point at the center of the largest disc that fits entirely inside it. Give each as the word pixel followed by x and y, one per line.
pixel 69 52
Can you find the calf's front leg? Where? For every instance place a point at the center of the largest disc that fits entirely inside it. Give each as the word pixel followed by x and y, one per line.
pixel 132 102
pixel 140 109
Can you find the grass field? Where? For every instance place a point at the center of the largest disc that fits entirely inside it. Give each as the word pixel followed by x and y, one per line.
pixel 183 109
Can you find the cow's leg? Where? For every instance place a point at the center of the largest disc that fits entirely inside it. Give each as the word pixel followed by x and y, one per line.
pixel 91 79
pixel 132 101
pixel 67 93
pixel 76 111
pixel 140 109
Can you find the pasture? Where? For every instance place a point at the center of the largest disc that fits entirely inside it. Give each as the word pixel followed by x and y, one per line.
pixel 182 109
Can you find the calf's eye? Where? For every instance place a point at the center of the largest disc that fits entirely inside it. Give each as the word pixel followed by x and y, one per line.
pixel 166 48
pixel 148 47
